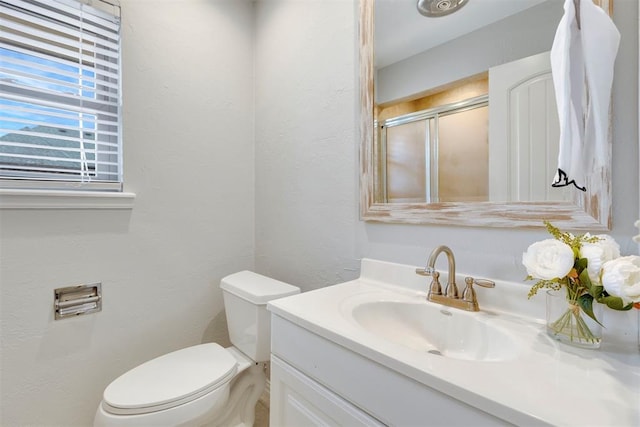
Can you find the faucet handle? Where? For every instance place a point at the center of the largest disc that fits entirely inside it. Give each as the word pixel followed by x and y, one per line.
pixel 427 271
pixel 485 283
pixel 469 294
pixel 435 288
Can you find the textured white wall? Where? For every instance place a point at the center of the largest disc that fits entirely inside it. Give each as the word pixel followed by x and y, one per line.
pixel 306 131
pixel 188 135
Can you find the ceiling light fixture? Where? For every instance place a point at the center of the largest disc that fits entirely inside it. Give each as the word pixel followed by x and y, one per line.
pixel 437 8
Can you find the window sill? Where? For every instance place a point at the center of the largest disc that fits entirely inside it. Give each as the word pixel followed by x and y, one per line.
pixel 50 199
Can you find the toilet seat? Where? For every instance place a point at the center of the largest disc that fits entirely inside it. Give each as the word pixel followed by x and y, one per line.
pixel 170 380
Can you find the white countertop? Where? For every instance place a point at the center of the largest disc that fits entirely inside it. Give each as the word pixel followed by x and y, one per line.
pixel 547 383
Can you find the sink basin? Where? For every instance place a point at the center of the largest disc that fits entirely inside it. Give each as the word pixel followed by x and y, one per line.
pixel 435 329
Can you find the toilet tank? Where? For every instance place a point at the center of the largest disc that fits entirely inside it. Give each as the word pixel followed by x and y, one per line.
pixel 245 300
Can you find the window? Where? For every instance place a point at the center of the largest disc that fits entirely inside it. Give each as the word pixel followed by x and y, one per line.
pixel 60 97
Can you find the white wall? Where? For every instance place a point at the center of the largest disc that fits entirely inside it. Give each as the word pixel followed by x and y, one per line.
pixel 306 131
pixel 188 135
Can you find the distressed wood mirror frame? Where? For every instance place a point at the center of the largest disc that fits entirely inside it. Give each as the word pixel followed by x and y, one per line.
pixel 590 210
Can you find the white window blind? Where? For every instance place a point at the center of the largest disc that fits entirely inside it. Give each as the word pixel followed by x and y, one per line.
pixel 60 95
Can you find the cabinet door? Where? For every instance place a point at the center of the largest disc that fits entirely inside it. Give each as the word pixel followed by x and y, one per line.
pixel 299 401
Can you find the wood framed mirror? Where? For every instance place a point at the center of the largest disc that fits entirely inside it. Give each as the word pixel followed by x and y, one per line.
pixel 589 210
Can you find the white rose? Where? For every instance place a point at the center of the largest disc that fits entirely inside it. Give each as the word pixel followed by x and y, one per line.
pixel 621 278
pixel 548 259
pixel 597 253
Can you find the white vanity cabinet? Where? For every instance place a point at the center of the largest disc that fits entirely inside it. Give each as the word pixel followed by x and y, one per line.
pixel 318 382
pixel 362 353
pixel 297 400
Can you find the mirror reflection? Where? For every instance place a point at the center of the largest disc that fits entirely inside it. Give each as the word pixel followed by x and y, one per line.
pixel 464 108
pixel 459 57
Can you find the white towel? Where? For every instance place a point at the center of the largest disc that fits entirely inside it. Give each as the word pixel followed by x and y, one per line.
pixel 582 60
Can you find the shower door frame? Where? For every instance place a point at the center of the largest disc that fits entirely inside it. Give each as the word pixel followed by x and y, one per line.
pixel 432 141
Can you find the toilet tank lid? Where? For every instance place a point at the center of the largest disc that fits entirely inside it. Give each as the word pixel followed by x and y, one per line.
pixel 256 288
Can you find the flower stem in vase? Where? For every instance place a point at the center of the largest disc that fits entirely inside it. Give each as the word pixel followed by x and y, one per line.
pixel 568 323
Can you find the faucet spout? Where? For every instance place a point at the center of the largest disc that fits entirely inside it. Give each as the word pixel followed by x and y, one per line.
pixel 468 300
pixel 451 290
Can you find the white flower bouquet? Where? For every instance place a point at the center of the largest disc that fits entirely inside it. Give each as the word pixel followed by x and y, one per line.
pixel 590 269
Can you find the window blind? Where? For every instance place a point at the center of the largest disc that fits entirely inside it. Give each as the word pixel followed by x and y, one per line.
pixel 60 95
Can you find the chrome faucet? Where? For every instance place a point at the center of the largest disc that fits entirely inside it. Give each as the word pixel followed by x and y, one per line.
pixel 468 300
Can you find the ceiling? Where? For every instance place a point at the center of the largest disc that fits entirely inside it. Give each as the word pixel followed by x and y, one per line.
pixel 401 32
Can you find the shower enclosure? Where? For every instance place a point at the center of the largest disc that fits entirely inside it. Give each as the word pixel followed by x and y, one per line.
pixel 436 155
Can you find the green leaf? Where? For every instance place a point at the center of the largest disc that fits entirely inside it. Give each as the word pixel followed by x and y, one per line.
pixel 586 304
pixel 581 265
pixel 593 288
pixel 585 279
pixel 598 291
pixel 615 303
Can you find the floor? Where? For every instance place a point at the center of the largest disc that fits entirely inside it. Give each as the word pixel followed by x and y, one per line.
pixel 262 414
pixel 262 407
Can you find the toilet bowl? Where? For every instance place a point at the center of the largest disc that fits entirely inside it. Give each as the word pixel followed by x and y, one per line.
pixel 206 384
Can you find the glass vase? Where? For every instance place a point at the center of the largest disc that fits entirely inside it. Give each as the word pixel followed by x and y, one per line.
pixel 569 324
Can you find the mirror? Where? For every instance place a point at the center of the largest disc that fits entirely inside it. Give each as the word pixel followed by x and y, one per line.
pixel 573 209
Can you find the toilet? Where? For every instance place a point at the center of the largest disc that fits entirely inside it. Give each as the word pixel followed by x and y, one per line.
pixel 206 384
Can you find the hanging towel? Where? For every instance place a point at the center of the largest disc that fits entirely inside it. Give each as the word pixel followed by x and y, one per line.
pixel 582 59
